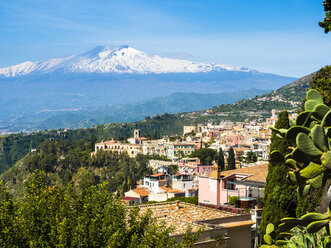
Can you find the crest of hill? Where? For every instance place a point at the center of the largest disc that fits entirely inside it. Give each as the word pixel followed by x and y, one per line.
pixel 287 97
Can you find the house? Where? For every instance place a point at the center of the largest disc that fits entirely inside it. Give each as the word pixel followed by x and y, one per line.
pixel 185 183
pixel 118 147
pixel 164 193
pixel 128 200
pixel 221 229
pixel 140 193
pixel 155 181
pixel 247 183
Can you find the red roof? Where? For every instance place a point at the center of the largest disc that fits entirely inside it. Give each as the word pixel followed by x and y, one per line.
pixel 129 198
pixel 157 175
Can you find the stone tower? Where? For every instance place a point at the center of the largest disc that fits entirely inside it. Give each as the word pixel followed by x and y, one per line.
pixel 136 133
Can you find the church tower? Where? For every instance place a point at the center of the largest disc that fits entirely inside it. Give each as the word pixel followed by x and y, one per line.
pixel 136 133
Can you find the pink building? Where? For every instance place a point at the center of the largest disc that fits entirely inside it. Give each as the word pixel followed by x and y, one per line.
pixel 246 183
pixel 234 139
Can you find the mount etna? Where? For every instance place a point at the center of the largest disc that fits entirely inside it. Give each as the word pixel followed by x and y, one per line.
pixel 114 80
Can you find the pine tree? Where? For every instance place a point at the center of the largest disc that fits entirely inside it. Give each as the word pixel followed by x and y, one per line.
pixel 231 160
pixel 280 198
pixel 220 160
pixel 321 81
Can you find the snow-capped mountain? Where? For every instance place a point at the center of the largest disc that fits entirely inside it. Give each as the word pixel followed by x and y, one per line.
pixel 103 78
pixel 123 59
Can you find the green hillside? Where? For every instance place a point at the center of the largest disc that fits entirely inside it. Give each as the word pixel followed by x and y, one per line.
pixel 14 147
pixel 288 97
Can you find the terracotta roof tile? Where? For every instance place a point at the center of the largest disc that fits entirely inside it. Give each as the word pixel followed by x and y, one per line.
pixel 256 173
pixel 141 192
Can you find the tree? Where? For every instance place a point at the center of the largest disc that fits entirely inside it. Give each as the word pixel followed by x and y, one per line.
pixel 206 155
pixel 231 160
pixel 279 195
pixel 63 217
pixel 326 23
pixel 250 157
pixel 220 160
pixel 321 81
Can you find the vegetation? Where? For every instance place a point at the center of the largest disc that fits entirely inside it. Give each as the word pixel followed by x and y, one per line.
pixel 232 200
pixel 231 160
pixel 309 163
pixel 51 216
pixel 321 81
pixel 70 162
pixel 326 23
pixel 220 160
pixel 250 157
pixel 206 155
pixel 279 195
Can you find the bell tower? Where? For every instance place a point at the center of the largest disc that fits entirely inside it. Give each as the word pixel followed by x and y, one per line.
pixel 136 133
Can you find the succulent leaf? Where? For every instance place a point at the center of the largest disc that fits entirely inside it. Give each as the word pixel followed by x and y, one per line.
pixel 317 182
pixel 312 170
pixel 317 225
pixel 281 243
pixel 320 111
pixel 267 238
pixel 276 156
pixel 300 156
pixel 317 134
pixel 291 163
pixel 306 145
pixel 290 220
pixel 306 190
pixel 311 104
pixel 295 130
pixel 313 94
pixel 270 228
pixel 292 177
pixel 311 217
pixel 326 159
pixel 303 118
pixel 326 122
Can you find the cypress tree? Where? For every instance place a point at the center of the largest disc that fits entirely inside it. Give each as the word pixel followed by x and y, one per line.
pixel 220 160
pixel 280 198
pixel 231 160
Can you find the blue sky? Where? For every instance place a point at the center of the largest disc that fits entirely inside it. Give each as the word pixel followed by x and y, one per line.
pixel 280 37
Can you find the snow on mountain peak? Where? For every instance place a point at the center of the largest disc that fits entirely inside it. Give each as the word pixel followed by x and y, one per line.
pixel 123 59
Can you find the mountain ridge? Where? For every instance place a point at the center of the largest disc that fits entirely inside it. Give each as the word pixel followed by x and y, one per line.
pixel 123 59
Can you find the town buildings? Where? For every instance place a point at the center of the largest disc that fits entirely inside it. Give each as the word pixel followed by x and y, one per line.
pixel 246 183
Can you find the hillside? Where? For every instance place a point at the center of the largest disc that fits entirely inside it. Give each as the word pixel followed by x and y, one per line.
pixel 174 103
pixel 287 97
pixel 16 146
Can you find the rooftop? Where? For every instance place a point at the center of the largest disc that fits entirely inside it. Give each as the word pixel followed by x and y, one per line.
pixel 128 198
pixel 256 173
pixel 141 192
pixel 187 214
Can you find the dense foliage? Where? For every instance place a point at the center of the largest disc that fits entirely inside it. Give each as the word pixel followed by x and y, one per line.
pixel 279 195
pixel 220 160
pixel 51 216
pixel 71 162
pixel 231 160
pixel 206 155
pixel 326 23
pixel 321 81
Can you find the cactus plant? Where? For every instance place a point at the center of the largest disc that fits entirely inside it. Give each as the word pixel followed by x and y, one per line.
pixel 309 162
